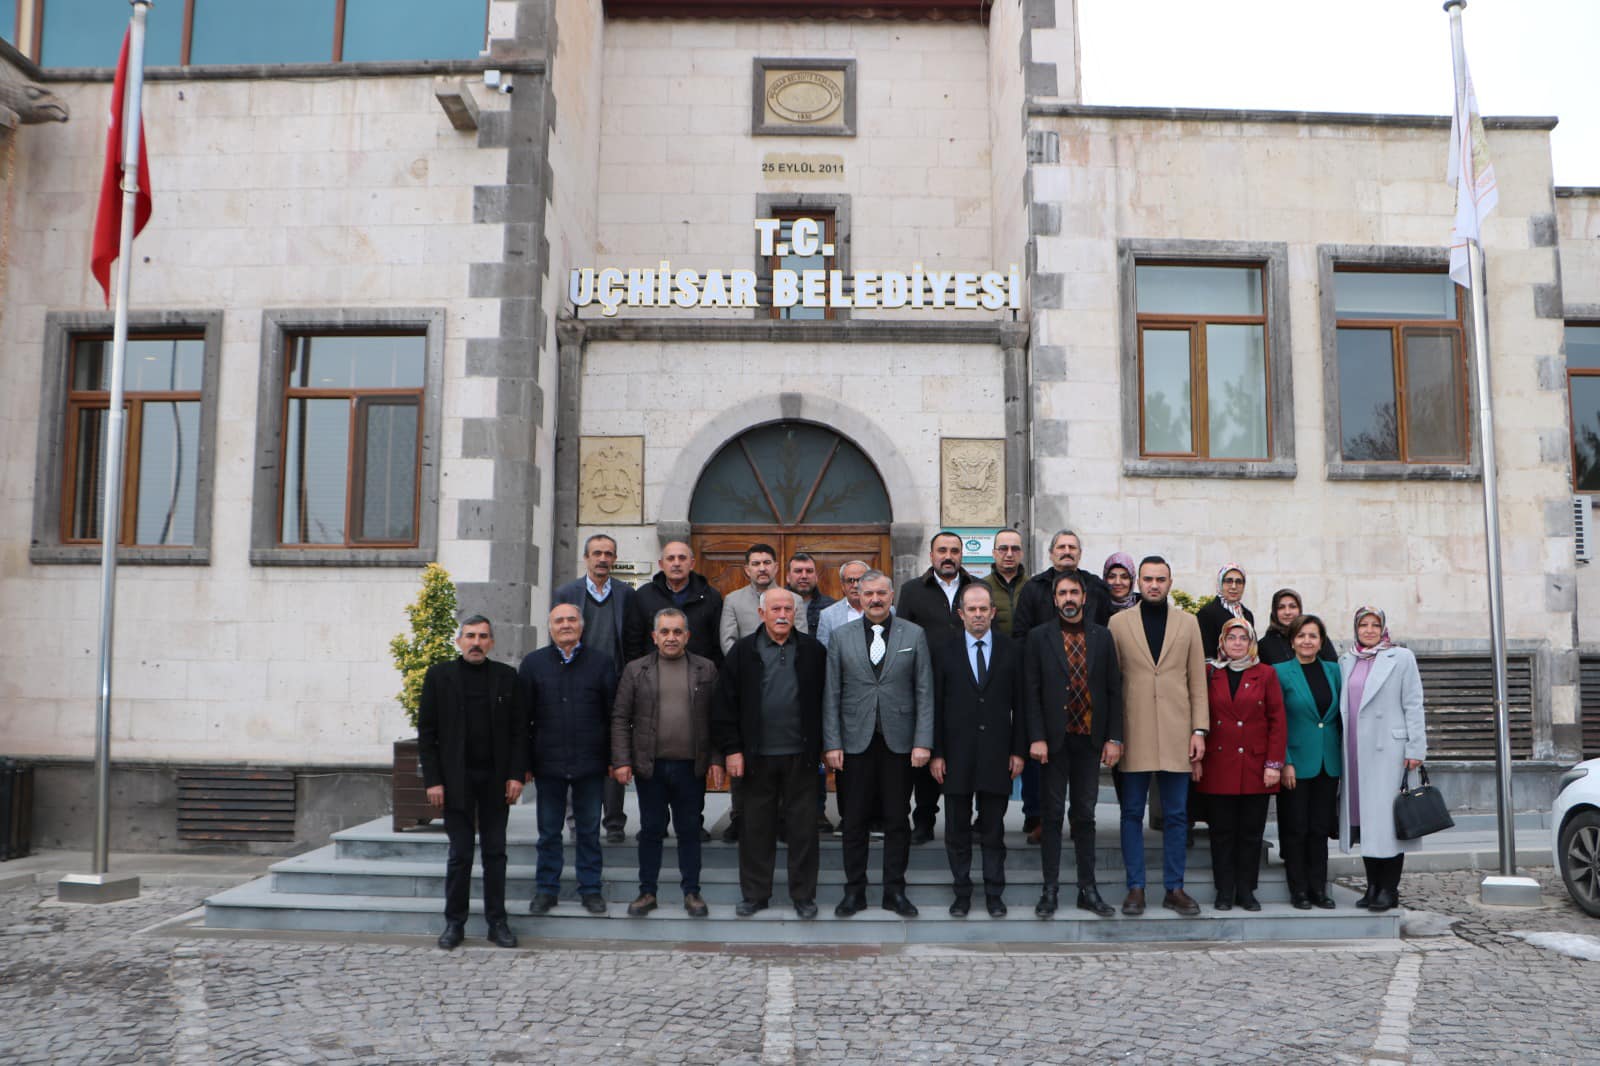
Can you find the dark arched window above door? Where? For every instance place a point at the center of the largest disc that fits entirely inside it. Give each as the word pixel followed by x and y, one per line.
pixel 790 474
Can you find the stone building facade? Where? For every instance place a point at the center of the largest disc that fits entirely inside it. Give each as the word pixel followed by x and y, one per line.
pixel 332 200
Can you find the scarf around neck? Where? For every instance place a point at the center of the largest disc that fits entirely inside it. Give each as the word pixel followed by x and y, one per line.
pixel 1251 658
pixel 1384 643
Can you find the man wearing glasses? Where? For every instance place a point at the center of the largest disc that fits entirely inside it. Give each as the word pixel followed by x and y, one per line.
pixel 848 609
pixel 1005 581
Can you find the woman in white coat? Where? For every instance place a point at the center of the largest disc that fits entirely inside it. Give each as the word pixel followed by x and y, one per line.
pixel 1384 731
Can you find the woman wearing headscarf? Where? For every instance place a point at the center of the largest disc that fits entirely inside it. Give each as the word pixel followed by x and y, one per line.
pixel 1276 643
pixel 1308 802
pixel 1384 735
pixel 1229 603
pixel 1243 762
pixel 1118 576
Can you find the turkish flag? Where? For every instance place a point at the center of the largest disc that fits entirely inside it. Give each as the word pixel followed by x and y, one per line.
pixel 108 217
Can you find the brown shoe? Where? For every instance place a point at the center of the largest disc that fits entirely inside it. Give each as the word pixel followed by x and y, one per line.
pixel 1180 901
pixel 695 905
pixel 1036 834
pixel 642 906
pixel 1133 906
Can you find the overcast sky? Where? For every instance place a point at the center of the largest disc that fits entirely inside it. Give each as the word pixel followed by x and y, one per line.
pixel 1528 57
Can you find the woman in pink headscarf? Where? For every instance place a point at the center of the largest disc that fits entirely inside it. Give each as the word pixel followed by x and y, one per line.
pixel 1118 576
pixel 1229 603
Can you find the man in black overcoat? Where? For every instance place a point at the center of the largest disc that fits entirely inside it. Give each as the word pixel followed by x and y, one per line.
pixel 979 738
pixel 472 736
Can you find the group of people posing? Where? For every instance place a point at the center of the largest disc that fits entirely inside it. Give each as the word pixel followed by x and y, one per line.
pixel 949 689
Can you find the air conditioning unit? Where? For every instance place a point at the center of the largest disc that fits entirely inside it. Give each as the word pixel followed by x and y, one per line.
pixel 1583 532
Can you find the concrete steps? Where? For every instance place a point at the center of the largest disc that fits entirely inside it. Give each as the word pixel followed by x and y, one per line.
pixel 374 880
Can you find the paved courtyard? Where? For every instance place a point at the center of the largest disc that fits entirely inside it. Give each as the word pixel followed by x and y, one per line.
pixel 125 983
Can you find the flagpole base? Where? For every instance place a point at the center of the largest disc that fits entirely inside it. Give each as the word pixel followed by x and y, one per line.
pixel 1500 891
pixel 97 888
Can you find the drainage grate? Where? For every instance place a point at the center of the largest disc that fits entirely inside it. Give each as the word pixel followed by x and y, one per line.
pixel 222 804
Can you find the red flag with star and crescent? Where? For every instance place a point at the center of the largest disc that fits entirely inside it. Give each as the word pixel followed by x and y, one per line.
pixel 108 217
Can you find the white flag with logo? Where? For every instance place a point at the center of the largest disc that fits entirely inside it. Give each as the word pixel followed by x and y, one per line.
pixel 1472 173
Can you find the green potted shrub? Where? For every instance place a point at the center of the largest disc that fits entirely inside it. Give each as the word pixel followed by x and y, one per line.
pixel 431 640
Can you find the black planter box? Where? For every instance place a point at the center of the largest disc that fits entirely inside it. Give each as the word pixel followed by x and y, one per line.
pixel 16 809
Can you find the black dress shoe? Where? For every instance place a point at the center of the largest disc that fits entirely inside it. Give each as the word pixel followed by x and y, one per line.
pixel 747 907
pixel 1248 901
pixel 853 903
pixel 961 907
pixel 1047 903
pixel 616 836
pixel 1300 901
pixel 1223 903
pixel 542 904
pixel 452 936
pixel 705 835
pixel 921 834
pixel 1384 900
pixel 1030 823
pixel 996 905
pixel 730 835
pixel 806 908
pixel 1320 899
pixel 1089 900
pixel 501 936
pixel 897 902
pixel 594 903
pixel 1365 899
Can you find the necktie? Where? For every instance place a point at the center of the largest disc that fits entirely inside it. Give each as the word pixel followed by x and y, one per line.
pixel 878 649
pixel 983 668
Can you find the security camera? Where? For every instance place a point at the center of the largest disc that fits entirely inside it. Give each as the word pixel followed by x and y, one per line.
pixel 498 81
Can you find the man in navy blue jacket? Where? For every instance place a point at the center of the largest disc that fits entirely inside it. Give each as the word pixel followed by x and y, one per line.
pixel 570 690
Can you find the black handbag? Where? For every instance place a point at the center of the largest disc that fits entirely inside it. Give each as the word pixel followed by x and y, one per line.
pixel 1421 810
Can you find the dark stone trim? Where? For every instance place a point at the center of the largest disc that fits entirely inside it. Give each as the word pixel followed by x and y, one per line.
pixel 1542 231
pixel 265 549
pixel 1573 192
pixel 1050 109
pixel 774 331
pixel 287 71
pixel 59 329
pixel 1039 79
pixel 1582 314
pixel 1019 426
pixel 570 333
pixel 1331 256
pixel 845 127
pixel 932 10
pixel 1547 300
pixel 1273 258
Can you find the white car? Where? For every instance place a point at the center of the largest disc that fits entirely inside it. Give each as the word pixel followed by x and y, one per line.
pixel 1575 826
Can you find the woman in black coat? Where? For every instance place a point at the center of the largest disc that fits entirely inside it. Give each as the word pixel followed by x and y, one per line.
pixel 1228 604
pixel 1277 643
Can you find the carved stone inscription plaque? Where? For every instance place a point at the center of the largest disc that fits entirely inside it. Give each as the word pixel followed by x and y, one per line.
pixel 972 482
pixel 610 481
pixel 809 97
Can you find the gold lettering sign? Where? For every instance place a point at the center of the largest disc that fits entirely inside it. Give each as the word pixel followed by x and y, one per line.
pixel 611 481
pixel 804 95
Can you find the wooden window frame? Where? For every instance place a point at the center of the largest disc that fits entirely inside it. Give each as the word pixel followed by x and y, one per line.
pixel 1572 422
pixel 829 218
pixel 359 400
pixel 1199 395
pixel 1397 328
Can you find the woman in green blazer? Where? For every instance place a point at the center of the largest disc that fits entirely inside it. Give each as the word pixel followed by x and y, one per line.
pixel 1308 801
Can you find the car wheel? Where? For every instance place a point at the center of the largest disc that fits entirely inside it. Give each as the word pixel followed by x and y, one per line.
pixel 1580 860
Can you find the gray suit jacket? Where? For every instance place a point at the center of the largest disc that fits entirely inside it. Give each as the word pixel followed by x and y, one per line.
pixel 741 616
pixel 855 697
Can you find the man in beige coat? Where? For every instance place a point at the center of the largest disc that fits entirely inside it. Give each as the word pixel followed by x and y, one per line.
pixel 1165 718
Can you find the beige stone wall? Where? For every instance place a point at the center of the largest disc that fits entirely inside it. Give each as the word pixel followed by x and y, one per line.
pixel 680 172
pixel 281 194
pixel 1007 135
pixel 1415 548
pixel 1578 225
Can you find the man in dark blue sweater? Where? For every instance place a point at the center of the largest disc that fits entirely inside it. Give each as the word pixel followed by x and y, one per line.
pixel 570 690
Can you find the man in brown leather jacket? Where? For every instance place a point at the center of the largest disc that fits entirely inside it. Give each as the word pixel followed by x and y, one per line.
pixel 661 739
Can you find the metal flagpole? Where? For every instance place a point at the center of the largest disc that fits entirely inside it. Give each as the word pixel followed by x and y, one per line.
pixel 99 886
pixel 1508 888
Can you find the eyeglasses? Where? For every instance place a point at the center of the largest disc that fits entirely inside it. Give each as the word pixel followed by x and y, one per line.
pixel 851 580
pixel 1233 581
pixel 1008 547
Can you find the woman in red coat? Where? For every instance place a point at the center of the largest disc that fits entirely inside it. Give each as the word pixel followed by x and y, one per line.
pixel 1244 759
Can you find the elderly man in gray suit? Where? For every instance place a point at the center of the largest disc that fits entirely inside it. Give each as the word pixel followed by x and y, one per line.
pixel 877 723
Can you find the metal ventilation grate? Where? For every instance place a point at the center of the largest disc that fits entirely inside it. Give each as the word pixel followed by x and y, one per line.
pixel 1589 711
pixel 1458 694
pixel 228 804
pixel 1583 528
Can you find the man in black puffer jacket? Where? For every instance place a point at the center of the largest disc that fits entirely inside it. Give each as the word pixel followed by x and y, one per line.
pixel 675 585
pixel 570 692
pixel 1036 602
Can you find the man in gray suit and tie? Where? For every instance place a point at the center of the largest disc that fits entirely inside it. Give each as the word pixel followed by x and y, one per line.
pixel 877 724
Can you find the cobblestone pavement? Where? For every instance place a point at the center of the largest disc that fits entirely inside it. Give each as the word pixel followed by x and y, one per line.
pixel 103 984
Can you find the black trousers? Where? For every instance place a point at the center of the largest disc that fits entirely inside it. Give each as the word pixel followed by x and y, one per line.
pixel 1237 824
pixel 484 804
pixel 1073 771
pixel 1385 873
pixel 991 837
pixel 615 816
pixel 1307 815
pixel 778 790
pixel 878 783
pixel 926 792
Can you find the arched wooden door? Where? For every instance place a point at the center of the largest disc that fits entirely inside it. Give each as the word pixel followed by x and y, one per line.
pixel 797 486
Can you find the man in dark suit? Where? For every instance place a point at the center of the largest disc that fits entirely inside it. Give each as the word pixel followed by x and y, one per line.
pixel 979 736
pixel 472 742
pixel 877 725
pixel 1074 701
pixel 930 602
pixel 767 723
pixel 604 604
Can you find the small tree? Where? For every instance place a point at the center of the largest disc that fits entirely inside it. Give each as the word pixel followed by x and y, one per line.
pixel 432 637
pixel 1189 603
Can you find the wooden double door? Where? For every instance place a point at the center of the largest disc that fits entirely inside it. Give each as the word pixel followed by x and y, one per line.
pixel 719 551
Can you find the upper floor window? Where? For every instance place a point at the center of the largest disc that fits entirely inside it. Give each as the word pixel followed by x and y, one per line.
pixel 1203 361
pixel 1402 375
pixel 1583 391
pixel 88 33
pixel 816 261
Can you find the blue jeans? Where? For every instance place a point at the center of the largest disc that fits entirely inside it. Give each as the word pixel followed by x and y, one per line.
pixel 672 784
pixel 1174 825
pixel 587 795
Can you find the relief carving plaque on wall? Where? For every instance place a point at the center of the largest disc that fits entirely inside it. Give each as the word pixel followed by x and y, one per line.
pixel 805 97
pixel 610 481
pixel 972 482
